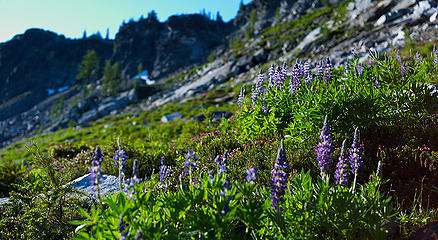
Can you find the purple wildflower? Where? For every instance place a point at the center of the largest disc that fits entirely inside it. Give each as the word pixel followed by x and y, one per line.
pixel 95 166
pixel 138 235
pixel 398 57
pixel 279 178
pixel 190 161
pixel 319 71
pixel 257 89
pixel 223 164
pixel 130 183
pixel 297 75
pixel 282 75
pixel 122 227
pixel 264 106
pixel 403 68
pixel 251 174
pixel 307 73
pixel 223 169
pixel 355 153
pixel 341 173
pixel 328 71
pixel 324 149
pixel 417 57
pixel 354 53
pixel 376 82
pixel 271 73
pixel 241 98
pixel 359 69
pixel 120 158
pixel 164 171
pixel 346 69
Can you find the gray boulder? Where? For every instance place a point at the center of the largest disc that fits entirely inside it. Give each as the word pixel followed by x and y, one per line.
pixel 171 117
pixel 107 184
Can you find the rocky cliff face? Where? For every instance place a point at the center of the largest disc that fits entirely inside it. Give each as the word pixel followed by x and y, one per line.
pixel 39 60
pixel 166 47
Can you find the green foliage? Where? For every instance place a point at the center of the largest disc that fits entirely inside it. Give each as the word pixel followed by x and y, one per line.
pixel 10 172
pixel 351 100
pixel 41 206
pixel 201 208
pixel 88 68
pixel 111 79
pixel 57 108
pixel 249 30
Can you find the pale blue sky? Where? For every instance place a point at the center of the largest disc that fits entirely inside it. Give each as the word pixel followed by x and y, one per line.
pixel 72 17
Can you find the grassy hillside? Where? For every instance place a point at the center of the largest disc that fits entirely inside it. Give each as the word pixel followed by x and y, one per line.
pixel 273 170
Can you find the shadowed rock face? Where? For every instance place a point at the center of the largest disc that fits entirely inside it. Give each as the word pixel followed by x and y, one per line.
pixel 163 48
pixel 39 60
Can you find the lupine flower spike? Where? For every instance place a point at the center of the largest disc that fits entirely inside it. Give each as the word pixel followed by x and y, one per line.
pixel 120 158
pixel 130 183
pixel 279 178
pixel 355 155
pixel 328 71
pixel 251 174
pixel 324 149
pixel 122 227
pixel 257 89
pixel 95 171
pixel 241 98
pixel 164 173
pixel 341 173
pixel 223 170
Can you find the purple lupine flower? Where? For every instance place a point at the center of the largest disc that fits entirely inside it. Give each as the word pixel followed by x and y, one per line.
pixel 403 68
pixel 319 71
pixel 130 185
pixel 307 73
pixel 271 73
pixel 417 57
pixel 164 171
pixel 355 153
pixel 138 235
pixel 297 75
pixel 376 82
pixel 95 166
pixel 223 169
pixel 353 52
pixel 251 174
pixel 324 149
pixel 222 161
pixel 359 69
pixel 279 178
pixel 346 69
pixel 341 173
pixel 282 75
pixel 131 182
pixel 122 227
pixel 264 106
pixel 257 89
pixel 328 71
pixel 120 158
pixel 190 161
pixel 398 57
pixel 241 98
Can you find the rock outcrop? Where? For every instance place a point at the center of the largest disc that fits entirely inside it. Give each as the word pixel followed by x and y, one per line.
pixel 39 60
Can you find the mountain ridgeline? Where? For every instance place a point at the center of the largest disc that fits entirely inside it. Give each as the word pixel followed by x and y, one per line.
pixel 188 55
